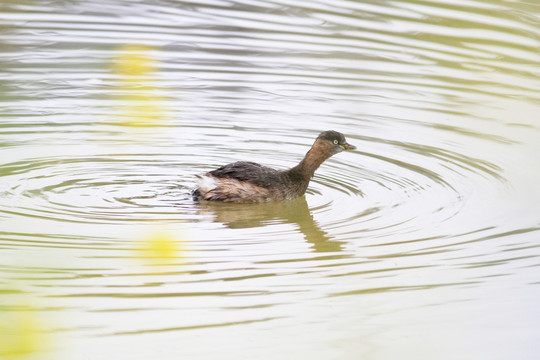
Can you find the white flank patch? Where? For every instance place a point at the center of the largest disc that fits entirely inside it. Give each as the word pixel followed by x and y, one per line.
pixel 206 183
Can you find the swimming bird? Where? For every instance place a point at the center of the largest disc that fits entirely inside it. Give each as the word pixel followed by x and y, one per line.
pixel 249 182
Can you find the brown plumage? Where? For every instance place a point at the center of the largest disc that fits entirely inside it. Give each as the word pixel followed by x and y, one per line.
pixel 247 182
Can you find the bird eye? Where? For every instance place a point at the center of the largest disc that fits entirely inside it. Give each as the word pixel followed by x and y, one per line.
pixel 336 142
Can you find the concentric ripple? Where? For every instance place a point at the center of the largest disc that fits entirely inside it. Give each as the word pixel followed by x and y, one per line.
pixel 91 189
pixel 387 189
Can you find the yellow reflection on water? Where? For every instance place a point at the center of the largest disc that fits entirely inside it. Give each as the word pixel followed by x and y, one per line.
pixel 161 247
pixel 22 331
pixel 140 102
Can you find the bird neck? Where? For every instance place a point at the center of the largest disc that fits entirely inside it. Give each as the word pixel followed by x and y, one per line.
pixel 318 153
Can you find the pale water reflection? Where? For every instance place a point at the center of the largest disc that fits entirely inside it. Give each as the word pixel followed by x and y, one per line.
pixel 423 243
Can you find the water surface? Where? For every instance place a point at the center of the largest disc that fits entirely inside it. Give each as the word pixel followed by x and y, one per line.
pixel 424 241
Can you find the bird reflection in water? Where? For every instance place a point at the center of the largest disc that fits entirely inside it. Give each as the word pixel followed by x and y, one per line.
pixel 296 211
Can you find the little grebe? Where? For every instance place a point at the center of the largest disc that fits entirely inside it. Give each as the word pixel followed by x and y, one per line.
pixel 248 182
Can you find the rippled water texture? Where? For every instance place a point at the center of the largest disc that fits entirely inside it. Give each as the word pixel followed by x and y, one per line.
pixel 423 243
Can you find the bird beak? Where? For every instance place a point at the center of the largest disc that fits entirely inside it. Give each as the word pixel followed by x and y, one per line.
pixel 347 146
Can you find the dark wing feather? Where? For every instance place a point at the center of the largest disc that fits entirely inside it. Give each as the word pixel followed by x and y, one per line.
pixel 249 171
